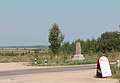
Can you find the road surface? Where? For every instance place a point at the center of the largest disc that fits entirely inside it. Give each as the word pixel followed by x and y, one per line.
pixel 46 70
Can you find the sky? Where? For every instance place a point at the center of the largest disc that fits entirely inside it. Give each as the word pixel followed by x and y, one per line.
pixel 27 22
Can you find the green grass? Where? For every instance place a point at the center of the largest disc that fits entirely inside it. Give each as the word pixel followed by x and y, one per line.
pixel 89 59
pixel 61 60
pixel 115 72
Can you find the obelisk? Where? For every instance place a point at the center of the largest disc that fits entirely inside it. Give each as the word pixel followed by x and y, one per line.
pixel 78 55
pixel 78 48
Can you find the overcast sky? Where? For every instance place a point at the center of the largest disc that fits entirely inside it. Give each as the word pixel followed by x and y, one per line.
pixel 27 22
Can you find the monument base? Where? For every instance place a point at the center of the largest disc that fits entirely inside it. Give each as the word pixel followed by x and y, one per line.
pixel 78 57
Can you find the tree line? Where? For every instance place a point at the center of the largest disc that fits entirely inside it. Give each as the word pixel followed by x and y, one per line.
pixel 107 42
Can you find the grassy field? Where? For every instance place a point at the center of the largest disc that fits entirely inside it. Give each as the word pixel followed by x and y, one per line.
pixel 28 55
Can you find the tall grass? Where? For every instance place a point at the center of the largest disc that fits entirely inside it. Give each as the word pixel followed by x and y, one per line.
pixel 115 72
pixel 30 55
pixel 18 58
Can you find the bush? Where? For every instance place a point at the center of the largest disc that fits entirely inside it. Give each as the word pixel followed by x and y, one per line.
pixel 116 72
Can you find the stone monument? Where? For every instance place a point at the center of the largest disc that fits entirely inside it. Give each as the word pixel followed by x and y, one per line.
pixel 78 55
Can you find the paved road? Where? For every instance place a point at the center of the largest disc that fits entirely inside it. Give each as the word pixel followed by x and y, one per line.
pixel 45 70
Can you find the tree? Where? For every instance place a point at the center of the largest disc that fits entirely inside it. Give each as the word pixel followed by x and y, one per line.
pixel 73 47
pixel 109 41
pixel 66 48
pixel 55 39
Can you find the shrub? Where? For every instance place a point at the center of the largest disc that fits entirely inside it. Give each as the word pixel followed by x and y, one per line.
pixel 116 72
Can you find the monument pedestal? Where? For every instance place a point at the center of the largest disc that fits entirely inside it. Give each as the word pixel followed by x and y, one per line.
pixel 78 57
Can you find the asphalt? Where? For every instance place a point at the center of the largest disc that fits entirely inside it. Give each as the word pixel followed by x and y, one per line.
pixel 47 70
